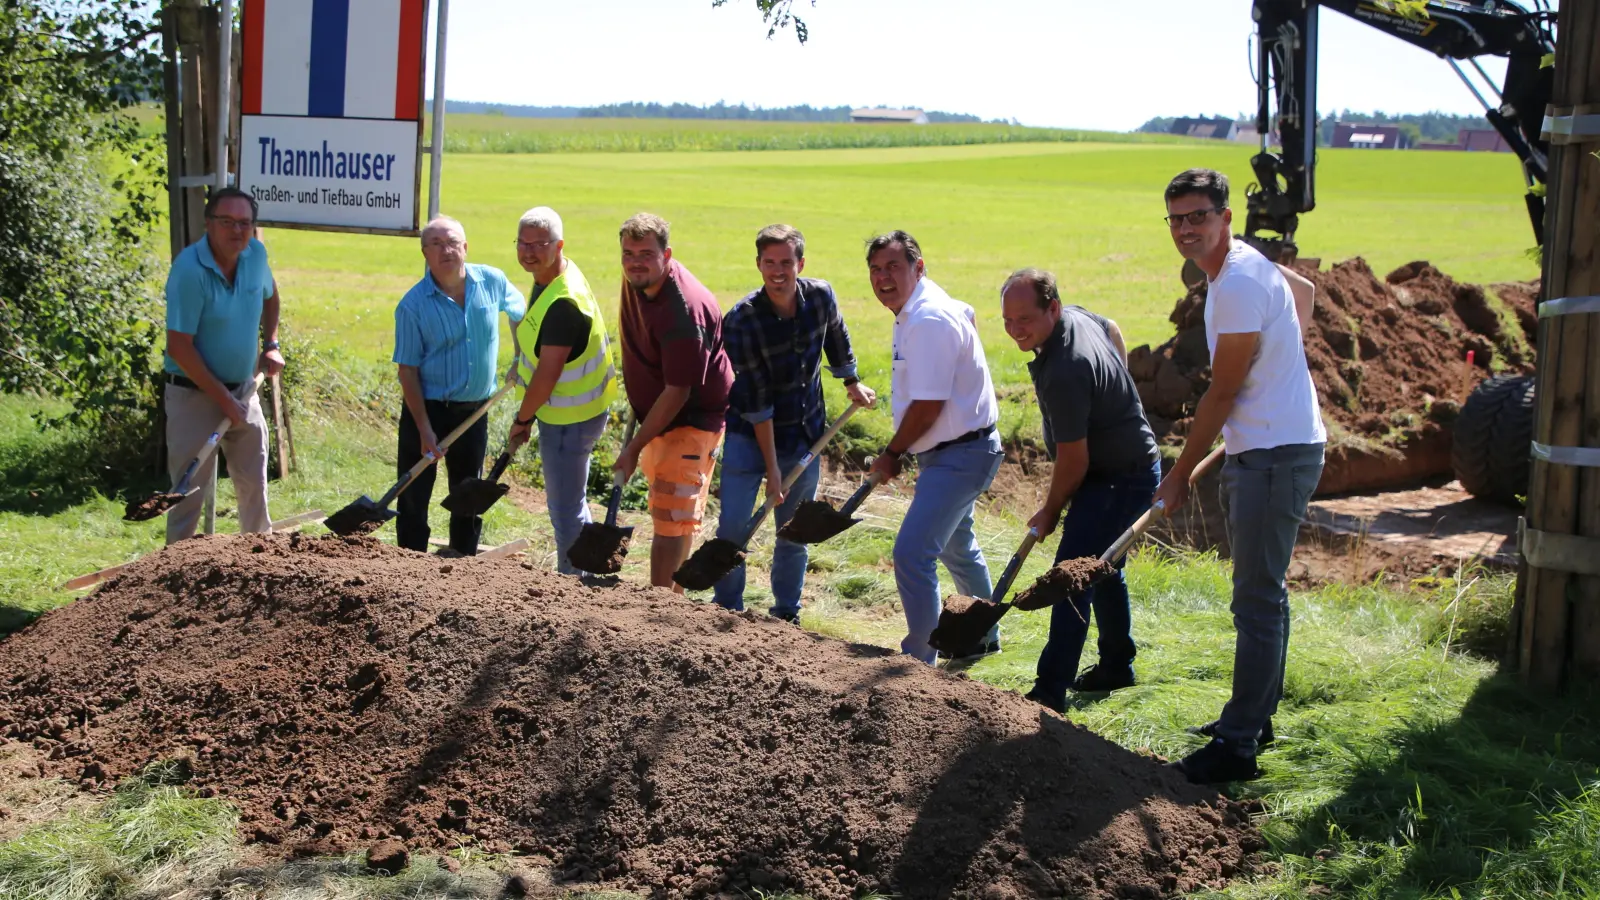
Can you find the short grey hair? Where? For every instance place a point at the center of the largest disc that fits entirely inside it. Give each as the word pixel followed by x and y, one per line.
pixel 438 222
pixel 542 217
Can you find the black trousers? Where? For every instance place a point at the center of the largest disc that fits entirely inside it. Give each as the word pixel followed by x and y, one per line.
pixel 463 460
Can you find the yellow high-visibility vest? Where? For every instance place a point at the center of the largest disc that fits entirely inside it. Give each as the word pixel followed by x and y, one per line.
pixel 588 382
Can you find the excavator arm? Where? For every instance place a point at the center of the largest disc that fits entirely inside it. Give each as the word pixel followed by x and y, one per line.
pixel 1286 79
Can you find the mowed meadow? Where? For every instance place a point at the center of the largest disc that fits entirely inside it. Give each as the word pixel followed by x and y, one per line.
pixel 1091 212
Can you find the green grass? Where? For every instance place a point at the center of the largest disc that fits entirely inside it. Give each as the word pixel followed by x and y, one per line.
pixel 145 838
pixel 476 133
pixel 1090 212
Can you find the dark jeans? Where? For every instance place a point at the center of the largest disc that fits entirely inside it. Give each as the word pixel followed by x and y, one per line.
pixel 1267 493
pixel 463 460
pixel 1101 510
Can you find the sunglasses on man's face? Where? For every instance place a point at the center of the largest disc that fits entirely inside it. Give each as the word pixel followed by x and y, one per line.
pixel 1197 217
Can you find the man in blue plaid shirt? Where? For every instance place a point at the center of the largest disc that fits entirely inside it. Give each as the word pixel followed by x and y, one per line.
pixel 776 338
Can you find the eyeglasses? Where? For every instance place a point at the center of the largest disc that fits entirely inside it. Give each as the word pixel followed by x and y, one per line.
pixel 235 224
pixel 533 245
pixel 1197 217
pixel 450 244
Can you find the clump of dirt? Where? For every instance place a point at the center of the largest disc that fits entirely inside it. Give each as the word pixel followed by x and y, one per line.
pixel 709 564
pixel 600 548
pixel 150 507
pixel 342 692
pixel 1064 582
pixel 1388 358
pixel 963 623
pixel 815 521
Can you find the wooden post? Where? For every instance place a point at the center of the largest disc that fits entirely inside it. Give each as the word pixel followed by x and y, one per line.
pixel 279 427
pixel 1558 626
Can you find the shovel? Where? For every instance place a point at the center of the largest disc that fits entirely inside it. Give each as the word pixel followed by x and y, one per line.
pixel 964 621
pixel 601 548
pixel 1069 579
pixel 717 557
pixel 474 496
pixel 365 516
pixel 815 521
pixel 161 502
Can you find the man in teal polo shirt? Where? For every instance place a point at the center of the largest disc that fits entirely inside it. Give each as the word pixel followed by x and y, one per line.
pixel 221 301
pixel 446 340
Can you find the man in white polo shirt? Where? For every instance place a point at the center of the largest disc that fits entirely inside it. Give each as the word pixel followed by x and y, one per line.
pixel 944 412
pixel 1263 402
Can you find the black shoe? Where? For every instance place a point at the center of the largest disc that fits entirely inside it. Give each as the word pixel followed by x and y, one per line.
pixel 1038 697
pixel 1217 763
pixel 974 654
pixel 1100 678
pixel 790 616
pixel 1209 730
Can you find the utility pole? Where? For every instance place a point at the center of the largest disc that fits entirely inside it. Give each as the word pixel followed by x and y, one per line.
pixel 1556 623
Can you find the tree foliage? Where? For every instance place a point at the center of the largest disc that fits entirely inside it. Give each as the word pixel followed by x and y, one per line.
pixel 79 191
pixel 778 14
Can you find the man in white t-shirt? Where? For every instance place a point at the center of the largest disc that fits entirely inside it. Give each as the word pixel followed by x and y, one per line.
pixel 944 412
pixel 1262 401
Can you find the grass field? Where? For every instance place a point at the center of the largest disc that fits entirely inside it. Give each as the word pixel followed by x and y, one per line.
pixel 1408 768
pixel 1089 212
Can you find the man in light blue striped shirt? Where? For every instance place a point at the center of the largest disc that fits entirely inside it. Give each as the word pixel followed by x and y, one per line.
pixel 446 342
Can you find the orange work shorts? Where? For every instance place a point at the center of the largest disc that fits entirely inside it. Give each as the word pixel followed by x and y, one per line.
pixel 678 465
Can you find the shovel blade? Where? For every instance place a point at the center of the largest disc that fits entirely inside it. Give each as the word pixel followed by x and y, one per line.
pixel 814 522
pixel 709 565
pixel 474 496
pixel 600 548
pixel 152 506
pixel 964 622
pixel 361 517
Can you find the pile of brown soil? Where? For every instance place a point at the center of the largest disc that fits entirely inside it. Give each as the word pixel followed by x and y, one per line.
pixel 1388 357
pixel 343 692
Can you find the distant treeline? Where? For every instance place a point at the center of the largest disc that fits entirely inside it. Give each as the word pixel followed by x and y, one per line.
pixel 1428 126
pixel 803 113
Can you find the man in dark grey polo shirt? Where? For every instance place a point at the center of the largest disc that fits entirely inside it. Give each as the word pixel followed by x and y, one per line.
pixel 1106 464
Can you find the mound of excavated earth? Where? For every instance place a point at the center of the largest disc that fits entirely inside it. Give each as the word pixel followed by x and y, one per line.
pixel 1388 357
pixel 342 692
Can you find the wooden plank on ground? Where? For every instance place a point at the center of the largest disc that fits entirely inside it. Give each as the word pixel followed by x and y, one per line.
pixel 310 515
pixel 507 549
pixel 93 578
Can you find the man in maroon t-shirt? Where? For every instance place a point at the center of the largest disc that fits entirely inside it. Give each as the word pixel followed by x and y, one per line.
pixel 677 377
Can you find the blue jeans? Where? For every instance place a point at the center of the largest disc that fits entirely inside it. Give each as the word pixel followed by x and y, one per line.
pixel 938 528
pixel 564 452
pixel 1101 510
pixel 1267 493
pixel 744 474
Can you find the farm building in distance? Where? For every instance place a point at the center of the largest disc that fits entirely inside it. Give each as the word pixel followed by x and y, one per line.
pixel 1369 137
pixel 879 115
pixel 1217 127
pixel 1474 140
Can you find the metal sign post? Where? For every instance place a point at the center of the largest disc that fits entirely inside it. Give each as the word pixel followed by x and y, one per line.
pixel 436 151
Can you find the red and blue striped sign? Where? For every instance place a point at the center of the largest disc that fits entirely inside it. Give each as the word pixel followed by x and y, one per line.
pixel 336 59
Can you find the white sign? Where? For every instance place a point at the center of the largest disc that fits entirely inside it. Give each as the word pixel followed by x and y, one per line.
pixel 351 173
pixel 331 103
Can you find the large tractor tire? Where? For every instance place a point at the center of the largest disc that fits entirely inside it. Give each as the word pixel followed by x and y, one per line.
pixel 1492 439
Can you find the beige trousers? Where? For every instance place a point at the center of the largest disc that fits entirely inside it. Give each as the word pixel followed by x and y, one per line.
pixel 191 419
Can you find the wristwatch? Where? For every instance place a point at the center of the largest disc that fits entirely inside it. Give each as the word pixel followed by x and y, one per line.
pixel 527 421
pixel 851 381
pixel 269 345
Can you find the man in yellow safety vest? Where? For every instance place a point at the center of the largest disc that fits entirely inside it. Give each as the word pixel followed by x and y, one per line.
pixel 573 383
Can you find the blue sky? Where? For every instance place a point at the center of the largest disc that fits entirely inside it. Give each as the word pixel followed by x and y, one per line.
pixel 1108 64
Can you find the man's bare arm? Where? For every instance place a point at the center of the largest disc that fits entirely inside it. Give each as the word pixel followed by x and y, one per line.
pixel 1305 295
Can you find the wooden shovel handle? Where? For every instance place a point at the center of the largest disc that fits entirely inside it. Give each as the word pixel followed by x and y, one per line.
pixel 461 429
pixel 795 472
pixel 1142 524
